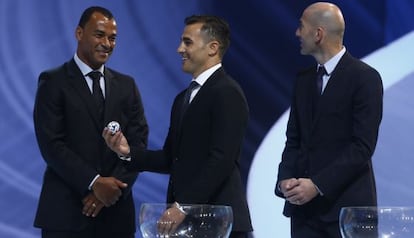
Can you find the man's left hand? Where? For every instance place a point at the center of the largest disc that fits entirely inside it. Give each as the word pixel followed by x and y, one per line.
pixel 91 205
pixel 302 193
pixel 169 221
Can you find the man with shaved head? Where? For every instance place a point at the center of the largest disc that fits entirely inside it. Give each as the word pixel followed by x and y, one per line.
pixel 332 130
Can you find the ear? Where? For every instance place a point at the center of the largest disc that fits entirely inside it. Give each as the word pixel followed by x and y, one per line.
pixel 319 34
pixel 213 47
pixel 78 33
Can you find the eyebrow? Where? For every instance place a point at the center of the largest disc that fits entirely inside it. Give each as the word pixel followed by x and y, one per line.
pixel 103 32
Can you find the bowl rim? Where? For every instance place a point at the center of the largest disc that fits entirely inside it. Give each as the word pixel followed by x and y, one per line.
pixel 378 207
pixel 186 205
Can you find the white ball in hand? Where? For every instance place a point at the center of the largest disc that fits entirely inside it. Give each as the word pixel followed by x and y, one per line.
pixel 113 127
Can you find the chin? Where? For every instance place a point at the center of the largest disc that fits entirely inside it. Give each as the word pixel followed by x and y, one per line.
pixel 101 61
pixel 304 52
pixel 185 69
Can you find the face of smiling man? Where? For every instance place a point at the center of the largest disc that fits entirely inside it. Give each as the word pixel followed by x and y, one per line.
pixel 197 51
pixel 96 40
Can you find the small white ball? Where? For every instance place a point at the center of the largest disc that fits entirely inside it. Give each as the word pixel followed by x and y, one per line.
pixel 113 127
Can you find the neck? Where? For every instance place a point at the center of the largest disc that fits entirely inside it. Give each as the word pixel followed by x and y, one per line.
pixel 326 54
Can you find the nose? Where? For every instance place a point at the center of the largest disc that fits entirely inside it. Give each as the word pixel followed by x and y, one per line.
pixel 180 49
pixel 297 33
pixel 105 41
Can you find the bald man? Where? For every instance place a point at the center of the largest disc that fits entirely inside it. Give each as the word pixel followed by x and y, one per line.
pixel 332 129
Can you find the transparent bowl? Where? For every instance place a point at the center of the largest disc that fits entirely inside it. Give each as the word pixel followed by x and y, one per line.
pixel 201 221
pixel 374 222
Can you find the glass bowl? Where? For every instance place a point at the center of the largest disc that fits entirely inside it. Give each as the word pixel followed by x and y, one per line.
pixel 201 221
pixel 374 222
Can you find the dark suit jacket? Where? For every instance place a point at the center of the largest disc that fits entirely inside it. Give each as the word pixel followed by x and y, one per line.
pixel 70 139
pixel 203 154
pixel 334 148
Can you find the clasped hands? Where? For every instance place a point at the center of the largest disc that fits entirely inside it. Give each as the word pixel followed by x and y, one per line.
pixel 105 192
pixel 298 191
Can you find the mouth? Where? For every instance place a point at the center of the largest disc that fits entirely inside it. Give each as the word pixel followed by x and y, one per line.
pixel 184 57
pixel 103 50
pixel 103 53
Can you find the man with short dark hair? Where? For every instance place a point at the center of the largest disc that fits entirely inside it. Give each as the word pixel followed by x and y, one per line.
pixel 86 191
pixel 207 125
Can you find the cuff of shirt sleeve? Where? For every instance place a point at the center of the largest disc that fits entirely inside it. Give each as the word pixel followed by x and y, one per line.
pixel 179 207
pixel 319 191
pixel 125 158
pixel 278 187
pixel 93 181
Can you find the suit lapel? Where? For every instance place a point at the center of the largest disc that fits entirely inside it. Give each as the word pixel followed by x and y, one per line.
pixel 110 84
pixel 306 103
pixel 203 92
pixel 218 74
pixel 204 89
pixel 77 80
pixel 331 89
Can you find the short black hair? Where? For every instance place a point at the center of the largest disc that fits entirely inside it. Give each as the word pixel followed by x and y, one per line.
pixel 86 15
pixel 214 27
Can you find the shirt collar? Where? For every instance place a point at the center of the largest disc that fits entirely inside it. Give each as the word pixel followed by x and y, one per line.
pixel 84 68
pixel 332 62
pixel 202 78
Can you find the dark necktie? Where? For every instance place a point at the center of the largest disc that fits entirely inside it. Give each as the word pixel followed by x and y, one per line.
pixel 187 96
pixel 319 82
pixel 97 92
pixel 319 79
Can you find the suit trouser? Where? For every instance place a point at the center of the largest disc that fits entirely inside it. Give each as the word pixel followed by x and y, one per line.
pixel 89 233
pixel 313 228
pixel 236 234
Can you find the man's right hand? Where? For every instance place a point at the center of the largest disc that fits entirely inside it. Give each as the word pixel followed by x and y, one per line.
pixel 287 185
pixel 116 142
pixel 108 190
pixel 298 191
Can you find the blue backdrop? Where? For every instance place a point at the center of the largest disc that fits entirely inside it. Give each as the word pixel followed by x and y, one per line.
pixel 264 57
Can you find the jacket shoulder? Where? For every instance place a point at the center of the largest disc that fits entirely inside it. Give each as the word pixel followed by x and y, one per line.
pixel 53 71
pixel 116 74
pixel 306 71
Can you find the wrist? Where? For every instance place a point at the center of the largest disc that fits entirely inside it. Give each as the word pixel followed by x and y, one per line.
pixel 128 153
pixel 93 182
pixel 179 207
pixel 126 156
pixel 318 191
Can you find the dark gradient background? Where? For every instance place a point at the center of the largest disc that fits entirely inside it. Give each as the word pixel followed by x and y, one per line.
pixel 263 57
